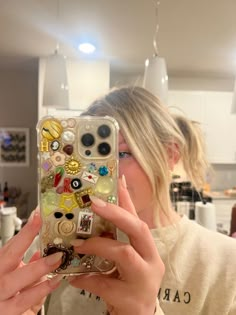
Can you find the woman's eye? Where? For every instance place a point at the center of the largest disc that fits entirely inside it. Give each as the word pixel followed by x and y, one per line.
pixel 123 155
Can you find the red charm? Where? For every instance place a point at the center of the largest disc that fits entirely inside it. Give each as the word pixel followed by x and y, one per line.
pixel 67 187
pixel 58 175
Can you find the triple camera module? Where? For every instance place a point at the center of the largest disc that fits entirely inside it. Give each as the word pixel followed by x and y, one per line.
pixel 103 148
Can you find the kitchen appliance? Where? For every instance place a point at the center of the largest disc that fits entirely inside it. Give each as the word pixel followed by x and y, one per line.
pixel 10 223
pixel 184 197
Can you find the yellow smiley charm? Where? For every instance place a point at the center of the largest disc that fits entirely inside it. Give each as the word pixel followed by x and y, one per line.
pixel 72 166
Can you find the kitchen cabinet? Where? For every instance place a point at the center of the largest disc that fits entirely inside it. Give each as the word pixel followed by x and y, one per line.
pixel 188 103
pixel 223 209
pixel 219 127
pixel 213 111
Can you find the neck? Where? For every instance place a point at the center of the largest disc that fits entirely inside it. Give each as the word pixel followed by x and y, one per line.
pixel 148 217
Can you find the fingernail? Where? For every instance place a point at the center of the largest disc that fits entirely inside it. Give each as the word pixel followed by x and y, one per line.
pixel 123 181
pixel 77 242
pixel 98 202
pixel 53 259
pixel 34 214
pixel 55 280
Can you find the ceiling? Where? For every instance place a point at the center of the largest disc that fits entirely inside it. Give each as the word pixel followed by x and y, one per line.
pixel 195 37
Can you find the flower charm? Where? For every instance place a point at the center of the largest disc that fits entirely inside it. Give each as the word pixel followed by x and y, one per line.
pixel 92 168
pixel 58 159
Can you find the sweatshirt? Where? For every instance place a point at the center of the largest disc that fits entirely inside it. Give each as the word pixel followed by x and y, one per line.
pixel 200 276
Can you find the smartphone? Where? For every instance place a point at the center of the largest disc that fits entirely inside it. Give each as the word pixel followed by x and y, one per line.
pixel 77 158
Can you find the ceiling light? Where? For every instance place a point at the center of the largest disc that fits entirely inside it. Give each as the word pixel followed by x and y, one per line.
pixel 87 48
pixel 155 75
pixel 55 84
pixel 55 89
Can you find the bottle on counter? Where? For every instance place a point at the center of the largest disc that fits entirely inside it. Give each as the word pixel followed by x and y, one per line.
pixel 5 193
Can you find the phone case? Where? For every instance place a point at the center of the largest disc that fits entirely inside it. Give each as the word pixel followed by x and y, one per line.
pixel 78 157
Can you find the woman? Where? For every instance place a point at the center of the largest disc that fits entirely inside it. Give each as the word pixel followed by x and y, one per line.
pixel 195 279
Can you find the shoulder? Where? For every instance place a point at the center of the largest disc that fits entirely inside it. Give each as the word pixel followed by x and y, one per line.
pixel 220 247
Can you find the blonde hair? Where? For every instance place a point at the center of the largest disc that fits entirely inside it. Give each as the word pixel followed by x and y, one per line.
pixel 194 153
pixel 149 130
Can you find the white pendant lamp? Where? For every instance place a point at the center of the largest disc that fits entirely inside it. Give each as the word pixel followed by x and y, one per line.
pixel 55 81
pixel 55 87
pixel 155 74
pixel 155 77
pixel 233 108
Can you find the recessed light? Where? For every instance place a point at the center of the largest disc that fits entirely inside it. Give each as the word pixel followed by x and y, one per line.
pixel 87 48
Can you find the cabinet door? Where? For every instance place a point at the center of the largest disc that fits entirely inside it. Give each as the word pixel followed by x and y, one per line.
pixel 189 103
pixel 223 212
pixel 220 127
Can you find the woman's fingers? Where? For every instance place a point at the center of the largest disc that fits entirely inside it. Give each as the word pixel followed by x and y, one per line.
pixel 124 197
pixel 13 282
pixel 35 256
pixel 124 255
pixel 24 285
pixel 12 253
pixel 137 230
pixel 26 299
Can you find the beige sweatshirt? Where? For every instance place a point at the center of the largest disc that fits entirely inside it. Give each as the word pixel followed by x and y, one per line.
pixel 200 277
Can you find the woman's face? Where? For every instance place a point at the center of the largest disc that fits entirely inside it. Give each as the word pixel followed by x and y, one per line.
pixel 138 184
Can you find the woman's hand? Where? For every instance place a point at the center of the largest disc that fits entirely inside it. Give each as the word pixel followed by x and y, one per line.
pixel 22 287
pixel 140 268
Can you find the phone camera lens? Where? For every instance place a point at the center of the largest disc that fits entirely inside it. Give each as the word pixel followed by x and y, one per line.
pixel 87 152
pixel 87 139
pixel 104 148
pixel 104 131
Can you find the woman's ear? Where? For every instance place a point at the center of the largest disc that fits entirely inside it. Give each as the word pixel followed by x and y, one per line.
pixel 173 155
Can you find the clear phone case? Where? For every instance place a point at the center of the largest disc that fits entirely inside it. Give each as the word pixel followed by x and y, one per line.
pixel 77 158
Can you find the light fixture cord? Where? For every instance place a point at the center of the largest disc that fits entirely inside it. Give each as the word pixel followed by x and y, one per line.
pixel 156 50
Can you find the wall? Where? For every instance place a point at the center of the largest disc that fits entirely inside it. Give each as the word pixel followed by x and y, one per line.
pixel 177 82
pixel 224 176
pixel 18 108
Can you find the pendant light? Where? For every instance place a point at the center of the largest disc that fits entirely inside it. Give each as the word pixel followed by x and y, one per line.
pixel 155 73
pixel 55 86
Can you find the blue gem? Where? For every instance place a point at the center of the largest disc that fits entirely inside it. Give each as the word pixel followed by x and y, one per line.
pixel 75 262
pixel 103 170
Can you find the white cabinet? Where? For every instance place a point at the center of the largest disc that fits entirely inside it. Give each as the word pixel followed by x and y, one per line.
pixel 220 127
pixel 189 103
pixel 213 110
pixel 223 212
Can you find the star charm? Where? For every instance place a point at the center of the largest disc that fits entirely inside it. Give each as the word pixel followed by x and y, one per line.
pixel 68 202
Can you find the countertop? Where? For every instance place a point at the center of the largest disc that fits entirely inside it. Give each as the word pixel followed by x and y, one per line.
pixel 219 195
